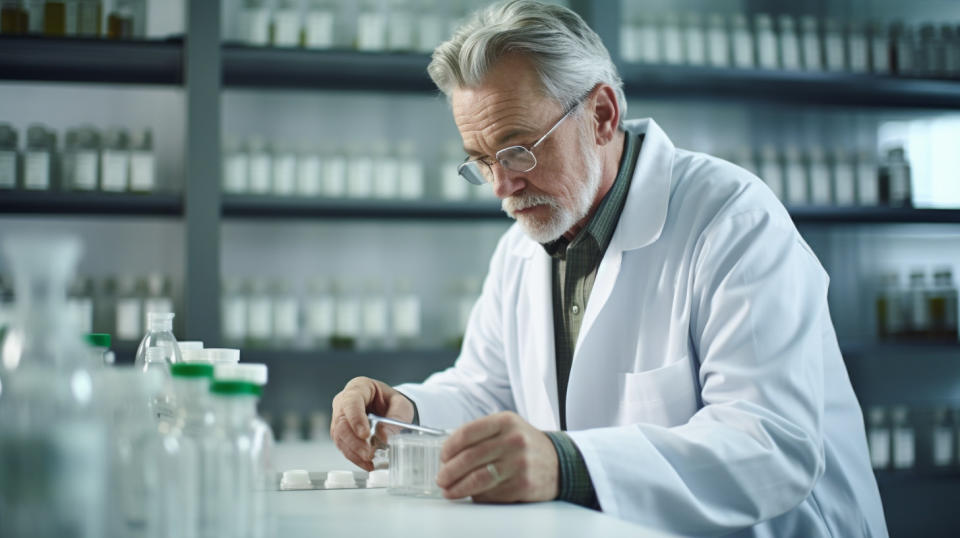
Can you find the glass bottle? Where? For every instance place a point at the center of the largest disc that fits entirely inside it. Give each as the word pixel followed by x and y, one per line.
pixel 196 423
pixel 411 171
pixel 235 166
pixel 234 311
pixel 260 311
pixel 261 165
pixel 255 22
pixel 120 21
pixel 13 18
pixel 264 442
pixel 918 312
pixel 894 184
pixel 359 173
pixel 374 316
pixel 320 313
pixel 159 296
pixel 903 438
pixel 371 26
pixel 672 38
pixel 768 56
pixel 334 173
pixel 452 186
pixel 902 43
pixel 879 38
pixel 55 18
pixel 116 160
pixel 844 181
pixel 771 170
pixel 890 307
pixel 286 314
pixel 942 305
pixel 284 170
pixel 406 315
pixel 38 159
pixel 159 338
pixel 795 177
pixel 286 24
pixel 858 47
pixel 742 40
pixel 834 46
pixel 89 15
pixel 347 328
pixel 650 44
pixel 386 171
pixel 82 159
pixel 430 26
pixel 868 193
pixel 942 438
pixel 80 304
pixel 812 45
pixel 8 156
pixel 143 166
pixel 309 169
pixel 129 309
pixel 105 306
pixel 320 23
pixel 789 43
pixel 821 186
pixel 718 41
pixel 878 437
pixel 35 16
pixel 400 28
pixel 694 39
pixel 53 473
pixel 630 33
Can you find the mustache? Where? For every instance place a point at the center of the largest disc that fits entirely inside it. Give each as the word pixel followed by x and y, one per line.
pixel 519 202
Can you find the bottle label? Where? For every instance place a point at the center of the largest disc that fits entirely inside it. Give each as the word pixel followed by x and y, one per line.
pixel 85 170
pixel 879 448
pixel 348 317
pixel 260 173
pixel 320 317
pixel 8 169
pixel 411 180
pixel 718 48
pixel 903 448
pixel 406 317
pixel 371 31
pixel 286 28
pixel 375 318
pixel 128 319
pixel 846 185
pixel 942 446
pixel 142 171
pixel 431 33
pixel 400 32
pixel 286 325
pixel 235 173
pixel 255 24
pixel 116 169
pixel 796 184
pixel 320 29
pixel 867 188
pixel 261 318
pixel 360 177
pixel 36 174
pixel 820 186
pixel 235 319
pixel 308 176
pixel 334 177
pixel 385 179
pixel 284 175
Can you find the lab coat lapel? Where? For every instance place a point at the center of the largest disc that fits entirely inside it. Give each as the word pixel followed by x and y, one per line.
pixel 535 346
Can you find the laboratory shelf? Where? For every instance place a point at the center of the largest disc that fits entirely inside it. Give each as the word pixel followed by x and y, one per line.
pixel 779 86
pixel 37 58
pixel 245 66
pixel 871 214
pixel 445 356
pixel 922 375
pixel 89 203
pixel 250 206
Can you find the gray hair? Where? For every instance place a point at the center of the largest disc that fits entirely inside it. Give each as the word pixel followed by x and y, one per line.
pixel 568 55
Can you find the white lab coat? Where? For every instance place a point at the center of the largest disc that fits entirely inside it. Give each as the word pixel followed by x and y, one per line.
pixel 707 392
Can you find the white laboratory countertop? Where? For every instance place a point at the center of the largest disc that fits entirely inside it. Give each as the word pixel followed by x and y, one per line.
pixel 374 512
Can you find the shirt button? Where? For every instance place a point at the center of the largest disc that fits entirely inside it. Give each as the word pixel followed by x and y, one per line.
pixel 575 309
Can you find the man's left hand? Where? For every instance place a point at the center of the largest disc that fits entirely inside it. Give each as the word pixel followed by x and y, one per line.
pixel 499 458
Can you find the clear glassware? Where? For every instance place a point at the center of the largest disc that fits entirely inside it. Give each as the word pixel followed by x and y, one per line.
pixel 9 156
pixel 159 337
pixel 195 421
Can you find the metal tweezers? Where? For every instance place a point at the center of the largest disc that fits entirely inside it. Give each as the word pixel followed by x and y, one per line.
pixel 376 419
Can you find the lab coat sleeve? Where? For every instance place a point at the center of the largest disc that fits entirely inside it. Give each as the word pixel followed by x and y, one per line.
pixel 753 450
pixel 478 383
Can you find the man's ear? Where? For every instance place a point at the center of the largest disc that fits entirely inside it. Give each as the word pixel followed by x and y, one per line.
pixel 606 113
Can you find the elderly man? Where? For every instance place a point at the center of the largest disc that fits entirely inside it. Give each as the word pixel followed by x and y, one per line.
pixel 652 338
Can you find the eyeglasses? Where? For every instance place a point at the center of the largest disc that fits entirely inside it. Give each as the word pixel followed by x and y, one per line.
pixel 514 158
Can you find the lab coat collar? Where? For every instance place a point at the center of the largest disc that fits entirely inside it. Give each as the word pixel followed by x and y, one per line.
pixel 645 210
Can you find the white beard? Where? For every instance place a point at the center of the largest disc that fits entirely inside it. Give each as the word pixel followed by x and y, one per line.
pixel 560 218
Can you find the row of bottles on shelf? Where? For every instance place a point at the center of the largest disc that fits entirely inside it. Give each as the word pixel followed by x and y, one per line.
pixel 112 19
pixel 89 160
pixel 113 305
pixel 165 448
pixel 367 25
pixel 377 171
pixel 823 178
pixel 339 314
pixel 294 426
pixel 901 438
pixel 792 43
pixel 922 310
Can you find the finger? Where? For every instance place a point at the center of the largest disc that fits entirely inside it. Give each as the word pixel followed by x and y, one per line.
pixel 472 457
pixel 344 437
pixel 358 393
pixel 477 481
pixel 507 491
pixel 359 460
pixel 472 433
pixel 350 446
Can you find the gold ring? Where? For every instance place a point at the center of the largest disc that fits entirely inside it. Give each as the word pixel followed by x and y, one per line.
pixel 492 469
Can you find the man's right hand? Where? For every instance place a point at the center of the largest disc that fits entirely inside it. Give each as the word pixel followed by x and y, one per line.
pixel 349 427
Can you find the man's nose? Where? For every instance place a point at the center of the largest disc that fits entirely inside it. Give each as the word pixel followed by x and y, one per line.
pixel 506 182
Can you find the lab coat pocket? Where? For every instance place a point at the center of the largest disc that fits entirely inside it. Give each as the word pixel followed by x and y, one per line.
pixel 665 396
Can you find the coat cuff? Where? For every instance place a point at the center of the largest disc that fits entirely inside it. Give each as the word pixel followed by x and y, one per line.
pixel 575 484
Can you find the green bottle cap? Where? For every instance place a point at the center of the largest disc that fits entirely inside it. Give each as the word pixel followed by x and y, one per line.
pixel 97 339
pixel 191 369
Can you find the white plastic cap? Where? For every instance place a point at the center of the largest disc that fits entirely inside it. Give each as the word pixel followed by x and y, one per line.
pixel 248 372
pixel 193 355
pixel 189 345
pixel 160 321
pixel 218 355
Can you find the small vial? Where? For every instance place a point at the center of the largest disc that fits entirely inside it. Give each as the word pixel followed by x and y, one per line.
pixel 38 159
pixel 895 179
pixel 121 21
pixel 143 167
pixel 903 439
pixel 8 156
pixel 406 314
pixel 129 311
pixel 348 323
pixel 374 315
pixel 82 159
pixel 771 170
pixel 694 39
pixel 889 307
pixel 14 19
pixel 334 174
pixel 411 171
pixel 650 45
pixel 159 295
pixel 868 193
pixel 878 435
pixel 320 24
pixel 821 187
pixel 810 40
pixel 359 174
pixel 260 314
pixel 630 34
pixel 672 38
pixel 236 165
pixel 234 314
pixel 116 160
pixel 284 170
pixel 942 304
pixel 371 27
pixel 320 313
pixel 942 440
pixel 929 55
pixel 401 26
pixel 386 171
pixel 430 26
pixel 918 311
pixel 255 22
pixel 55 18
pixel 795 177
pixel 844 179
pixel 35 16
pixel 261 165
pixel 309 168
pixel 858 48
pixel 452 186
pixel 286 24
pixel 89 18
pixel 902 43
pixel 834 46
pixel 742 42
pixel 718 41
pixel 879 39
pixel 286 312
pixel 80 304
pixel 767 53
pixel 789 44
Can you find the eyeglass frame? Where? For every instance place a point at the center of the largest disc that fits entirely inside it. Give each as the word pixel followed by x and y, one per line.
pixel 468 161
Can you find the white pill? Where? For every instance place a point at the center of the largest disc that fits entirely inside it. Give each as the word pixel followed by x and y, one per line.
pixel 378 479
pixel 295 479
pixel 340 480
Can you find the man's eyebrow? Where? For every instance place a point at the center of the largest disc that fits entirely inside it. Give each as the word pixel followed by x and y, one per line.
pixel 510 135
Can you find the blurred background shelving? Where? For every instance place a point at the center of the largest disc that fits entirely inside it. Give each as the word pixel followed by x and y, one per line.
pixel 335 91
